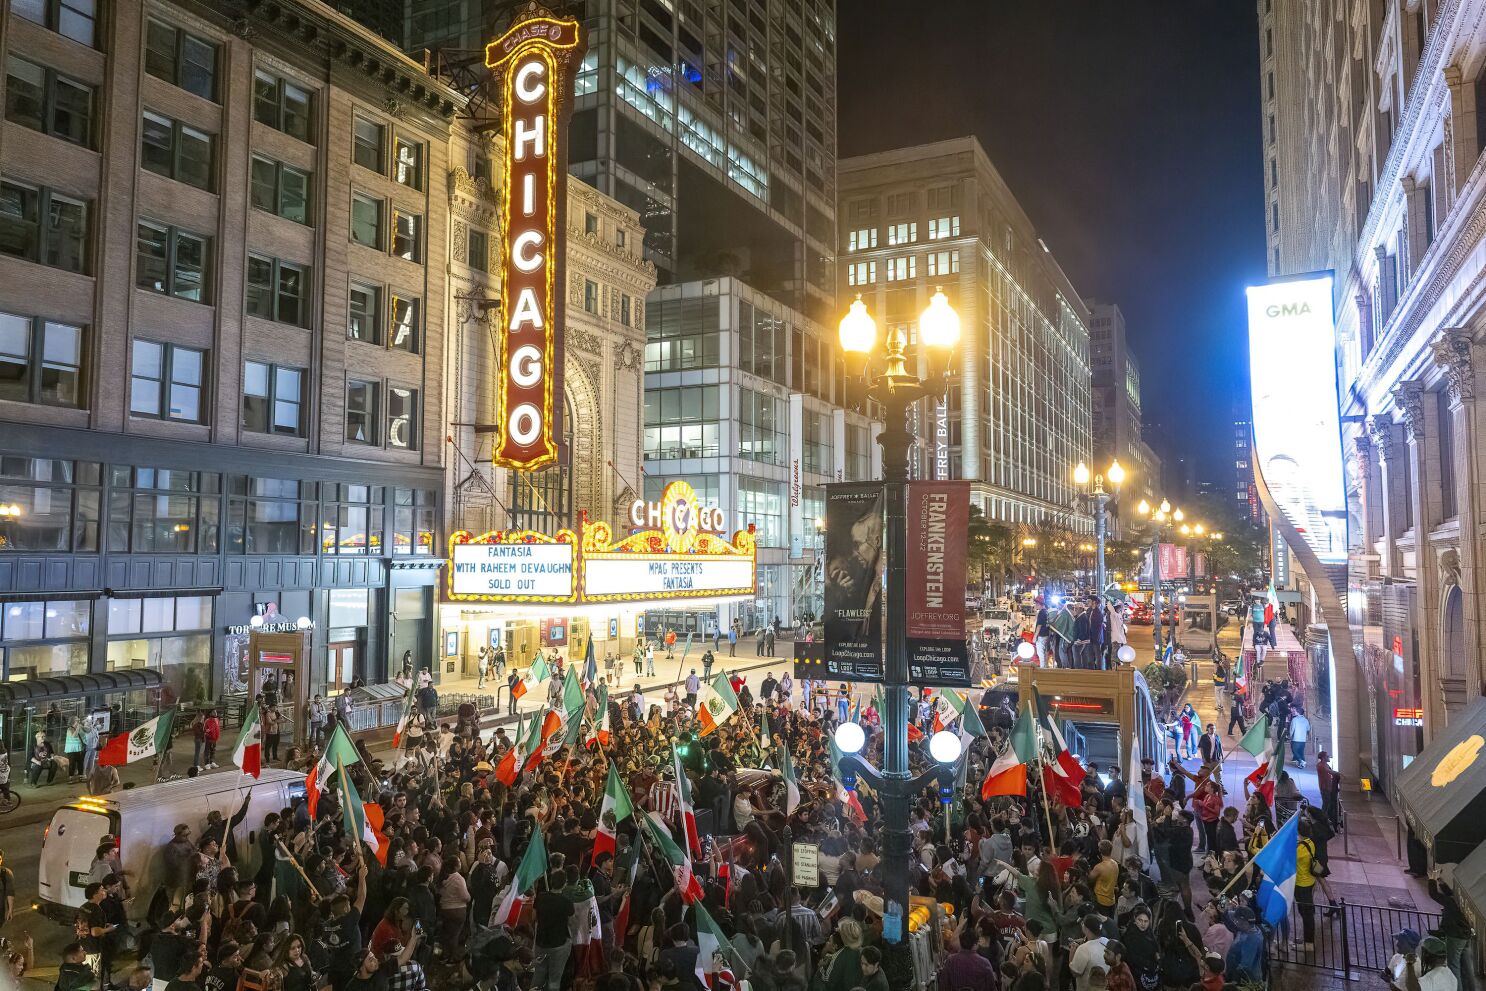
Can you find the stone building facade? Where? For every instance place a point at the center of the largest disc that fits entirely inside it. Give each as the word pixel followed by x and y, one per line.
pixel 1377 176
pixel 222 345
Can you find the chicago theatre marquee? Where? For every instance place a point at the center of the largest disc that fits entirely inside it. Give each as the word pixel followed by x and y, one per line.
pixel 528 590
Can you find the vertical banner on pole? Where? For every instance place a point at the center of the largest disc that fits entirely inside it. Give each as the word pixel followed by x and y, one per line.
pixel 941 439
pixel 854 577
pixel 838 445
pixel 938 532
pixel 796 477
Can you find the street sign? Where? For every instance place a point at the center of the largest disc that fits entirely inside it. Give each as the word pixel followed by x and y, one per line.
pixel 805 860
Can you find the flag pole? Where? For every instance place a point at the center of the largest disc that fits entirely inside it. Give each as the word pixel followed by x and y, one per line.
pixel 314 895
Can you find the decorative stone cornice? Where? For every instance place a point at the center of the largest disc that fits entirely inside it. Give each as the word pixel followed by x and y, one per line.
pixel 1451 351
pixel 1408 396
pixel 1380 429
pixel 403 81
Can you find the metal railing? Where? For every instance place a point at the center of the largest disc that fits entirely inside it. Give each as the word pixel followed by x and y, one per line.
pixel 1354 942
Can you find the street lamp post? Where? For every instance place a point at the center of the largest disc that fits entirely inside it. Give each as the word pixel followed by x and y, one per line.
pixel 1116 475
pixel 896 389
pixel 1161 517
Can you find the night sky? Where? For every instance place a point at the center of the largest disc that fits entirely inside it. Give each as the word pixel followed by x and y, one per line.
pixel 1128 130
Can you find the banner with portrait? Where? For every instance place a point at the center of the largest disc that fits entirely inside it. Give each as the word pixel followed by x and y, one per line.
pixel 853 587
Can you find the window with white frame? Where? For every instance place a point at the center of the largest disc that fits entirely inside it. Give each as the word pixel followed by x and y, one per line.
pixel 943 227
pixel 944 262
pixel 861 273
pixel 903 267
pixel 861 240
pixel 902 233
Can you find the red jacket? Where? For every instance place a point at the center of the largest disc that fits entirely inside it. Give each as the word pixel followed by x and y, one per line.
pixel 1209 806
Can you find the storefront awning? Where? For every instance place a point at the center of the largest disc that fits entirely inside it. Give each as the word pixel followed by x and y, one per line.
pixel 1470 887
pixel 368 694
pixel 38 691
pixel 1443 790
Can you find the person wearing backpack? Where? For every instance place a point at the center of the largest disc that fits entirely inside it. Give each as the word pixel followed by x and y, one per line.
pixel 211 732
pixel 428 702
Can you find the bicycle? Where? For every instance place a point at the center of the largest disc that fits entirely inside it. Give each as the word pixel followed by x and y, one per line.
pixel 9 801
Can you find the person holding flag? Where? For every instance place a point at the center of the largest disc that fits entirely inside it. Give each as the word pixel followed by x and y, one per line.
pixel 145 740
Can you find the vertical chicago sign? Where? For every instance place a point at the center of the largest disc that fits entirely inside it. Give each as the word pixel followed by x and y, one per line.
pixel 533 63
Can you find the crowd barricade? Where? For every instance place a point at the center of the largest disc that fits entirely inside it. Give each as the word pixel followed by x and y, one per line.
pixel 1355 944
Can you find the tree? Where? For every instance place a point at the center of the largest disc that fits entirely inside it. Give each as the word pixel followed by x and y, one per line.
pixel 991 546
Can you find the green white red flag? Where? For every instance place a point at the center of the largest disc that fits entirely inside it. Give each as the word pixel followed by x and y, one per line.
pixel 1008 775
pixel 361 819
pixel 718 707
pixel 339 751
pixel 248 754
pixel 684 806
pixel 617 807
pixel 145 740
pixel 533 865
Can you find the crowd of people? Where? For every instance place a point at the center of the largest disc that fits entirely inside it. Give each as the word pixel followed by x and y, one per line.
pixel 1043 892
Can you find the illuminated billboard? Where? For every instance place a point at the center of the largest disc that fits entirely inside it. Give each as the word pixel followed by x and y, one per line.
pixel 513 566
pixel 1297 436
pixel 525 570
pixel 533 62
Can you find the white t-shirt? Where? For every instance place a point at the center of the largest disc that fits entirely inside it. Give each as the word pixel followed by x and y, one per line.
pixel 1442 978
pixel 1088 955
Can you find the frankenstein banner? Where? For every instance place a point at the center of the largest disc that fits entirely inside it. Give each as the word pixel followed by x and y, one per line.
pixel 938 531
pixel 854 563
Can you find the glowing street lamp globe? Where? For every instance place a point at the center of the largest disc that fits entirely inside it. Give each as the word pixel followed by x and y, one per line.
pixel 944 746
pixel 1126 654
pixel 939 326
pixel 1025 651
pixel 850 738
pixel 1116 473
pixel 1081 474
pixel 858 331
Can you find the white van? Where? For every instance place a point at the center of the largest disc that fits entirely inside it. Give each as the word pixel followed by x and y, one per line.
pixel 144 819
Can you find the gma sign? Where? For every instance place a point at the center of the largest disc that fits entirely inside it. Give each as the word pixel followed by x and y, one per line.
pixel 533 63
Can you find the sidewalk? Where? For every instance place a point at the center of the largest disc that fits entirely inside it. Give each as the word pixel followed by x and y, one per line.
pixel 1367 867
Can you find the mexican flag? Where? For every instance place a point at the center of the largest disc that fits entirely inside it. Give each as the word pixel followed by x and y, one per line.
pixel 616 808
pixel 533 865
pixel 713 951
pixel 360 818
pixel 572 696
pixel 248 753
pixel 660 838
pixel 968 712
pixel 538 673
pixel 1008 775
pixel 621 918
pixel 145 740
pixel 403 721
pixel 791 783
pixel 525 752
pixel 1256 740
pixel 1271 604
pixel 684 806
pixel 1064 777
pixel 720 705
pixel 765 735
pixel 601 726
pixel 339 751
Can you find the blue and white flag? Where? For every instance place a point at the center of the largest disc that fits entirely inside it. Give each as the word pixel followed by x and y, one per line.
pixel 1276 863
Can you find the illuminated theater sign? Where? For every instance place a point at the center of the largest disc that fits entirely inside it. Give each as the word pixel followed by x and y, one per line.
pixel 534 63
pixel 683 556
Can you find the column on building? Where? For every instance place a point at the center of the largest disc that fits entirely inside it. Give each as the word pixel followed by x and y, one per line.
pixel 1462 142
pixel 1454 351
pixel 1423 460
pixel 1393 513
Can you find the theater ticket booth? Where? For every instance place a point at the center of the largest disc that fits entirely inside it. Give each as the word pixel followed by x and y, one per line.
pixel 281 661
